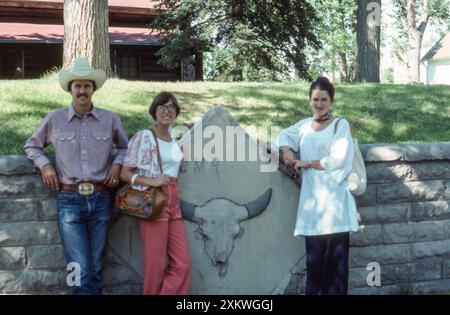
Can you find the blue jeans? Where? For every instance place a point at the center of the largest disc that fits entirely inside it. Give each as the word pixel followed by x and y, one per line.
pixel 327 264
pixel 83 227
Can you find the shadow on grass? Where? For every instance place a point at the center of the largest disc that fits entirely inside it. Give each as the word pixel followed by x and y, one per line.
pixel 28 115
pixel 191 105
pixel 265 105
pixel 377 113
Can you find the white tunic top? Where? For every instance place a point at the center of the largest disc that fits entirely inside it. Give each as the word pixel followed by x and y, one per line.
pixel 326 204
pixel 171 155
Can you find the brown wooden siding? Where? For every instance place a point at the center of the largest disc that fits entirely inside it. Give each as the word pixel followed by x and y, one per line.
pixel 28 60
pixel 140 63
pixel 130 62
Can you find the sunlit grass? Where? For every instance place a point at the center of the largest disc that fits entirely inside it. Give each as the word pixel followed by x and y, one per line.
pixel 378 113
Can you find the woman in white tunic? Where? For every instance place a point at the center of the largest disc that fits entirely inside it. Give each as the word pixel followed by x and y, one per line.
pixel 326 210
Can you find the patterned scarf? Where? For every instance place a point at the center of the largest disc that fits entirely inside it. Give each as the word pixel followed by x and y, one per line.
pixel 324 117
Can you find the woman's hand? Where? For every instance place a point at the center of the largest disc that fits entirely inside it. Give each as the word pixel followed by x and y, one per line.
pixel 298 165
pixel 288 156
pixel 158 181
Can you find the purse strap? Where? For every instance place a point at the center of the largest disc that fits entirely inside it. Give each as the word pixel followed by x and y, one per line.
pixel 157 149
pixel 335 125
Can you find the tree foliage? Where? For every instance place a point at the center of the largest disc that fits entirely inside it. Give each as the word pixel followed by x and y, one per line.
pixel 246 39
pixel 335 29
pixel 412 18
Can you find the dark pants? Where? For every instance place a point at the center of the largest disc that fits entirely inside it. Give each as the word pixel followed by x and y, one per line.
pixel 327 264
pixel 83 226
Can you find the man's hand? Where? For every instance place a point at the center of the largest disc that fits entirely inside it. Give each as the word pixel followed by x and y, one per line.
pixel 112 178
pixel 49 177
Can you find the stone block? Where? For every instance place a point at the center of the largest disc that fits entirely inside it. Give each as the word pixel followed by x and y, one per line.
pixel 430 170
pixel 45 256
pixel 431 249
pixel 427 190
pixel 430 210
pixel 12 257
pixel 47 210
pixel 430 230
pixel 17 210
pixel 16 165
pixel 427 269
pixel 28 233
pixel 433 286
pixel 28 281
pixel 393 193
pixel 387 172
pixel 382 152
pixel 398 233
pixel 382 254
pixel 368 198
pixel 392 213
pixel 119 275
pixel 28 185
pixel 367 235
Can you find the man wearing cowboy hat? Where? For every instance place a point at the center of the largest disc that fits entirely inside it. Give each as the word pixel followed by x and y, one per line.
pixel 83 137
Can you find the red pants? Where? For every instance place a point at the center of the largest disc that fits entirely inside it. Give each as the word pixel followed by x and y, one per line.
pixel 167 263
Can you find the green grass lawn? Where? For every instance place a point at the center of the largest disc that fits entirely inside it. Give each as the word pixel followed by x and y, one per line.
pixel 378 113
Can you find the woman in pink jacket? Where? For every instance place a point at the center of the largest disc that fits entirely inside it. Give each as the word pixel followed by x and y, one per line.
pixel 167 263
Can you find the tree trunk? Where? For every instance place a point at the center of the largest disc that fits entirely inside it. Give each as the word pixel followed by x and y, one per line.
pixel 333 67
pixel 199 66
pixel 414 57
pixel 367 68
pixel 86 33
pixel 344 74
pixel 415 35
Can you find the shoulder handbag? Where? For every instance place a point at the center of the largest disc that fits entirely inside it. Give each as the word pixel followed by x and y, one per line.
pixel 357 178
pixel 146 204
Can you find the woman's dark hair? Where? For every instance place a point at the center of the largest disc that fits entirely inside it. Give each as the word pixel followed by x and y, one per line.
pixel 322 83
pixel 161 99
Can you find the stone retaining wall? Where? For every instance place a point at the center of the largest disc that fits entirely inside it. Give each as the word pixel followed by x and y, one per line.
pixel 405 216
pixel 31 255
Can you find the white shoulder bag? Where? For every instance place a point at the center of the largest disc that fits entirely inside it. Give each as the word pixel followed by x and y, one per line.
pixel 357 178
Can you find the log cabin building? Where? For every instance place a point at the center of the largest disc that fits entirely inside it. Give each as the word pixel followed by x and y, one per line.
pixel 32 32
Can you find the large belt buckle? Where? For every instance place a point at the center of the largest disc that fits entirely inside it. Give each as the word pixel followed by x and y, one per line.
pixel 86 189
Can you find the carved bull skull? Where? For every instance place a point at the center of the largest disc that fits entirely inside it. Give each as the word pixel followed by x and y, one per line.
pixel 219 224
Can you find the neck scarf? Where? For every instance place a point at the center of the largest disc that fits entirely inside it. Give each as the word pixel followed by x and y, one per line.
pixel 324 117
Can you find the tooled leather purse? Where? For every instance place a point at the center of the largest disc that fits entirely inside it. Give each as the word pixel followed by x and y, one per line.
pixel 142 204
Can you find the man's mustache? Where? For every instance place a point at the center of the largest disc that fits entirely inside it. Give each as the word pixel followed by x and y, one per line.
pixel 80 95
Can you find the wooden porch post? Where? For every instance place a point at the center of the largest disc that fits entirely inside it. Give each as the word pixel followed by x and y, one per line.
pixel 23 64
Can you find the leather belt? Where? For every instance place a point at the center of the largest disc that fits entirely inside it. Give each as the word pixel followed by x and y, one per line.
pixel 84 188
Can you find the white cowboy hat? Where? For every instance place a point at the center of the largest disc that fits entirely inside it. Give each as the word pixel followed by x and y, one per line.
pixel 81 70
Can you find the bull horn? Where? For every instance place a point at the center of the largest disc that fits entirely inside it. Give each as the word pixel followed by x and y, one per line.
pixel 187 210
pixel 258 205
